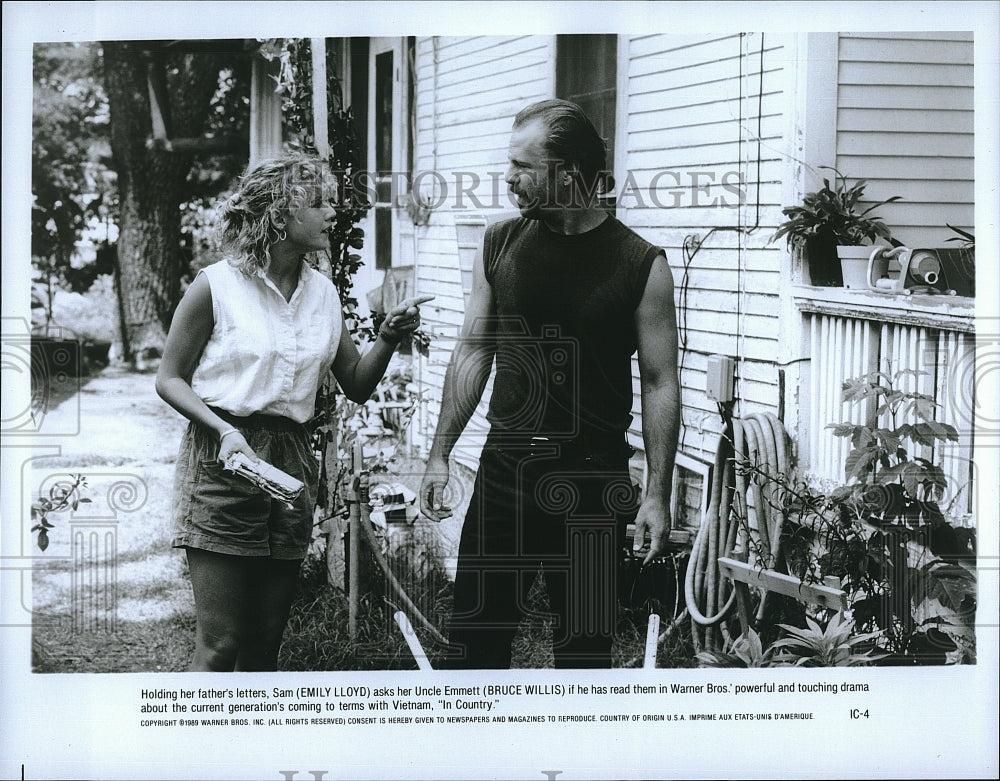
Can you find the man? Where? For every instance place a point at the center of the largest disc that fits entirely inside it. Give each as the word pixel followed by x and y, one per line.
pixel 562 297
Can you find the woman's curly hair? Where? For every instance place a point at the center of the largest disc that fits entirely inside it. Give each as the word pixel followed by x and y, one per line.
pixel 255 216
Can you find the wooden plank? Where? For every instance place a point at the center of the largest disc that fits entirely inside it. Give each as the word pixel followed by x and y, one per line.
pixel 905 120
pixel 905 143
pixel 681 48
pixel 911 35
pixel 927 214
pixel 453 48
pixel 667 118
pixel 492 105
pixel 525 69
pixel 941 312
pixel 677 72
pixel 724 129
pixel 653 94
pixel 488 64
pixel 906 48
pixel 771 580
pixel 728 154
pixel 903 73
pixel 896 167
pixel 933 191
pixel 923 96
pixel 492 131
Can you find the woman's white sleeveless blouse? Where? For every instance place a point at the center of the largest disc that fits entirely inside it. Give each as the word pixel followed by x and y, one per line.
pixel 266 354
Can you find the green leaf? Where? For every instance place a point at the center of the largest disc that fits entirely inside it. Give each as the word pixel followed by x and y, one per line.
pixel 941 430
pixel 889 475
pixel 857 463
pixel 43 539
pixel 923 433
pixel 924 407
pixel 910 476
pixel 888 439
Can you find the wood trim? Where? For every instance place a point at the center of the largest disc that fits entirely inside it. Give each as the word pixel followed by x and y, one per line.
pixel 818 107
pixel 778 582
pixel 945 313
pixel 620 163
pixel 319 96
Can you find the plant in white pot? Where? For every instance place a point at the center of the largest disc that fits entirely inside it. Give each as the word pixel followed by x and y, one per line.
pixel 831 224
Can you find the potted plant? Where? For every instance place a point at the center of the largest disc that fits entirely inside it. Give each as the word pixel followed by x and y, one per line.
pixel 830 225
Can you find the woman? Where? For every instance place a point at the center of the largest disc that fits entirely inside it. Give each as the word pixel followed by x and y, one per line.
pixel 251 341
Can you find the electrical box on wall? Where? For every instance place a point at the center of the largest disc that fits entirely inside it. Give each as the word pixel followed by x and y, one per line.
pixel 719 378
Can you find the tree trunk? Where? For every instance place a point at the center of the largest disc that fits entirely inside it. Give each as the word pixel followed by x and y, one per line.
pixel 151 184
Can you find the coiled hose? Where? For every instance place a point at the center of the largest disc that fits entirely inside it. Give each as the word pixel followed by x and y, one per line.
pixel 744 519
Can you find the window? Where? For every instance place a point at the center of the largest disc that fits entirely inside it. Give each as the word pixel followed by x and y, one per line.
pixel 587 74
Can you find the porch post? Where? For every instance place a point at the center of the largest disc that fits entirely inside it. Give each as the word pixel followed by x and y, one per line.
pixel 320 102
pixel 265 111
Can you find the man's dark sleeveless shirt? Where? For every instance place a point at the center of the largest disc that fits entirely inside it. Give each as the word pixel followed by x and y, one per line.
pixel 566 329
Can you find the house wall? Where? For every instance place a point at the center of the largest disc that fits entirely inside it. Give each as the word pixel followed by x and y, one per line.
pixel 691 112
pixel 702 121
pixel 905 124
pixel 715 134
pixel 468 91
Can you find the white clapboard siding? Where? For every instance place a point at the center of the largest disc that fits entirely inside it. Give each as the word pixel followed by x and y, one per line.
pixel 904 123
pixel 691 110
pixel 468 91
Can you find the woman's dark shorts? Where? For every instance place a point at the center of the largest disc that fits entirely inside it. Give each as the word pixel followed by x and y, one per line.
pixel 216 510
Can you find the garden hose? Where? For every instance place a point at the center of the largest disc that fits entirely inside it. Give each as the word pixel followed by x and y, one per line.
pixel 744 518
pixel 394 581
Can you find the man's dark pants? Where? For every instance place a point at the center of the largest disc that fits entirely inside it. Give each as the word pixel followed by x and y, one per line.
pixel 561 507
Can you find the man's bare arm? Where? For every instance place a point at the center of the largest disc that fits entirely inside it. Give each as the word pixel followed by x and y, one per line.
pixel 656 326
pixel 465 380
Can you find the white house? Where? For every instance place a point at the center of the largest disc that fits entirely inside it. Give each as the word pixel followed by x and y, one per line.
pixel 711 136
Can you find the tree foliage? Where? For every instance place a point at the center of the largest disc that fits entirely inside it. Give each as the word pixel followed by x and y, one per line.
pixel 154 174
pixel 71 185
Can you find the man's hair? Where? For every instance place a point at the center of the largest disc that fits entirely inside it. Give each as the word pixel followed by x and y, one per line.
pixel 572 138
pixel 256 215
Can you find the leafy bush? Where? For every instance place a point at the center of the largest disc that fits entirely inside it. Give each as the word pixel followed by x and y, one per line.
pixel 61 496
pixel 908 573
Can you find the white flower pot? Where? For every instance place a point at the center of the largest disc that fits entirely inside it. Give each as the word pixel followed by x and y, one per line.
pixel 854 265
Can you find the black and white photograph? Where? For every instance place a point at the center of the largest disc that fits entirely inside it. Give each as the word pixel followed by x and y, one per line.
pixel 500 390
